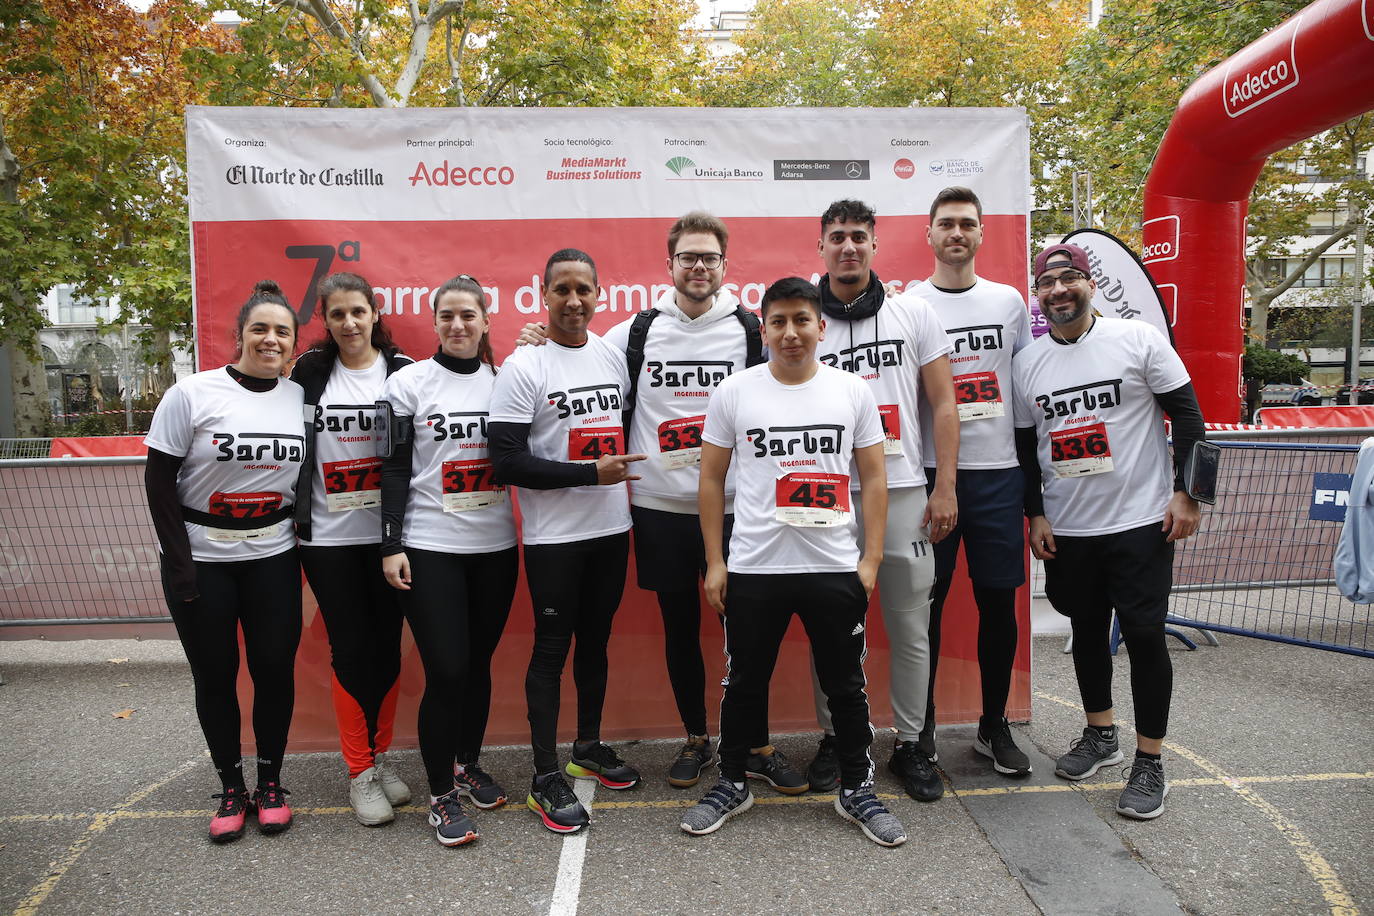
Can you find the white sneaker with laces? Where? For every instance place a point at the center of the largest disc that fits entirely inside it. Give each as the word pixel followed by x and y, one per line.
pixel 397 792
pixel 369 800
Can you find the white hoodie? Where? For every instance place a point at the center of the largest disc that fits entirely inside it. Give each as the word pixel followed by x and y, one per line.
pixel 684 360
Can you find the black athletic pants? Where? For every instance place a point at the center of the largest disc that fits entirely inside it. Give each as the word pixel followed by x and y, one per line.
pixel 363 618
pixel 832 607
pixel 457 608
pixel 264 596
pixel 996 644
pixel 575 590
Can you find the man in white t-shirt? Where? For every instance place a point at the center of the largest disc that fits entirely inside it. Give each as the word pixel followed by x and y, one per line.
pixel 896 345
pixel 555 432
pixel 1090 400
pixel 986 323
pixel 797 431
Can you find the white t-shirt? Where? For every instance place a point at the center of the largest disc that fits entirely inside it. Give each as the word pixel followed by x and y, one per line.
pixel 453 504
pixel 1103 454
pixel 887 351
pixel 570 396
pixel 346 499
pixel 243 452
pixel 793 448
pixel 985 324
pixel 684 360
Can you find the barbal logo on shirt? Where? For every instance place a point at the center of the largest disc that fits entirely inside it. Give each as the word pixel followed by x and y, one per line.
pixel 976 338
pixel 1068 401
pixel 458 425
pixel 865 356
pixel 255 447
pixel 346 418
pixel 578 402
pixel 686 373
pixel 781 441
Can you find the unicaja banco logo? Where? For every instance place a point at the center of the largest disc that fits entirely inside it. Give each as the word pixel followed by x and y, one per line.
pixel 678 163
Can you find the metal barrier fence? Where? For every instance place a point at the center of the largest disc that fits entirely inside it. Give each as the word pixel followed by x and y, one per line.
pixel 77 543
pixel 25 448
pixel 1260 565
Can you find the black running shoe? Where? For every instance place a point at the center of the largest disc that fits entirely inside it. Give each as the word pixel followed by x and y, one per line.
pixel 695 756
pixel 598 761
pixel 776 770
pixel 912 767
pixel 452 826
pixel 477 786
pixel 716 807
pixel 553 800
pixel 994 740
pixel 824 772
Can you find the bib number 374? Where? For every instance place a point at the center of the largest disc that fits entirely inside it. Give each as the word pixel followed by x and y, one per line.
pixel 1080 451
pixel 813 500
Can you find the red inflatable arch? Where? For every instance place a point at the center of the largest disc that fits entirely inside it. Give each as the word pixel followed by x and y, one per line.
pixel 1314 71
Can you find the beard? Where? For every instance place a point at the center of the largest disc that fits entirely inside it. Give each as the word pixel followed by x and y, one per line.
pixel 1081 306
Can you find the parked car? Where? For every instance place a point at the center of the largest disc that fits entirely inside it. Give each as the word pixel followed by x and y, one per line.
pixel 1363 391
pixel 1305 394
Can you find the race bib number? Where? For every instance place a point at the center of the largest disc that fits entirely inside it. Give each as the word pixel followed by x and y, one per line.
pixel 812 499
pixel 588 443
pixel 352 484
pixel 891 417
pixel 1080 451
pixel 243 505
pixel 978 396
pixel 679 442
pixel 470 485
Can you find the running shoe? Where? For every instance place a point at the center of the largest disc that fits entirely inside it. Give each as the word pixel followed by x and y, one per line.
pixel 823 774
pixel 878 824
pixel 397 792
pixel 926 739
pixel 594 760
pixel 776 770
pixel 723 802
pixel 994 740
pixel 695 756
pixel 1146 788
pixel 368 798
pixel 477 786
pixel 913 768
pixel 274 815
pixel 452 826
pixel 234 808
pixel 1087 755
pixel 551 798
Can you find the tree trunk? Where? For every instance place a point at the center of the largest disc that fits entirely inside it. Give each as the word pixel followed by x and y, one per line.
pixel 29 384
pixel 163 374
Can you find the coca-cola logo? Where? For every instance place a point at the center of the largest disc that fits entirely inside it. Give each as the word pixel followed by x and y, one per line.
pixel 1251 83
pixel 1160 237
pixel 904 168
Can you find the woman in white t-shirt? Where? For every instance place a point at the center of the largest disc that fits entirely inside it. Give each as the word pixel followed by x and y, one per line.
pixel 339 524
pixel 224 452
pixel 448 546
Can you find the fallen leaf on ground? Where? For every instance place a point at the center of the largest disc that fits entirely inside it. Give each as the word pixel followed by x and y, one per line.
pixel 124 685
pixel 116 661
pixel 124 714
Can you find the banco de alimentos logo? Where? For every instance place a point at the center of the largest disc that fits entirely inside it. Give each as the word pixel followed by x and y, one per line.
pixel 678 163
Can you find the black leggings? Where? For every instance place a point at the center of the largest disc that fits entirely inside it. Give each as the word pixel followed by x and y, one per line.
pixel 264 596
pixel 681 613
pixel 996 644
pixel 575 590
pixel 457 608
pixel 363 618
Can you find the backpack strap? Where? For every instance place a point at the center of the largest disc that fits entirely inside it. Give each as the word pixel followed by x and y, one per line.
pixel 634 361
pixel 753 340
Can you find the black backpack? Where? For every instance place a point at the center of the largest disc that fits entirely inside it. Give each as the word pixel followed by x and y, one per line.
pixel 639 332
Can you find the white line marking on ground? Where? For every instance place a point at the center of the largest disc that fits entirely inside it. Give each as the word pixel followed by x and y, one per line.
pixel 568 887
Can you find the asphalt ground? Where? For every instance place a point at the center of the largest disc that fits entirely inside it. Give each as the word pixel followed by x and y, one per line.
pixel 1270 758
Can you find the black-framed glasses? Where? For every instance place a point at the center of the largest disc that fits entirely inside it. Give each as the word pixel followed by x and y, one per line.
pixel 1068 278
pixel 688 259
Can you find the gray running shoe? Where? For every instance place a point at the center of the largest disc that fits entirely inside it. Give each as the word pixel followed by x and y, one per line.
pixel 878 824
pixel 1087 755
pixel 1143 797
pixel 452 826
pixel 716 807
pixel 695 756
pixel 475 784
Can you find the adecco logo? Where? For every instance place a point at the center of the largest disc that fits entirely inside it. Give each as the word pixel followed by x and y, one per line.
pixel 1160 236
pixel 1261 80
pixel 444 175
pixel 904 168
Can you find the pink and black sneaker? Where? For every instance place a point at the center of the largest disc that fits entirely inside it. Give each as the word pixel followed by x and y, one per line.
pixel 234 807
pixel 274 815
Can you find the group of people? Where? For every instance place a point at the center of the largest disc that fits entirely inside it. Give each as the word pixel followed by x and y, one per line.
pixel 851 437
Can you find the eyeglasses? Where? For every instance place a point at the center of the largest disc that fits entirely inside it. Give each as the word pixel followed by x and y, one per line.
pixel 688 259
pixel 1068 278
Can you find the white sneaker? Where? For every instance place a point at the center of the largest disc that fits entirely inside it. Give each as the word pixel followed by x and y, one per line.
pixel 369 801
pixel 397 792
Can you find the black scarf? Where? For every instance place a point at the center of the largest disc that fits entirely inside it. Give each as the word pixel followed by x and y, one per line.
pixel 866 306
